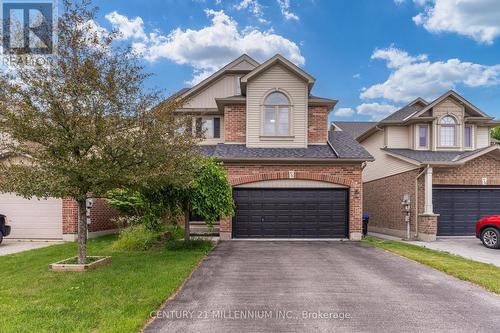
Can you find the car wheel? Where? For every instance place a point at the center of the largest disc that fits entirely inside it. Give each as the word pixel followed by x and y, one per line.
pixel 491 238
pixel 1 237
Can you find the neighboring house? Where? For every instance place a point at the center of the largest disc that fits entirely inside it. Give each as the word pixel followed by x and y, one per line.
pixel 291 177
pixel 438 154
pixel 51 218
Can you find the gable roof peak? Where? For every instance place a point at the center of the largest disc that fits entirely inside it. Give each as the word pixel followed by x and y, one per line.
pixel 278 58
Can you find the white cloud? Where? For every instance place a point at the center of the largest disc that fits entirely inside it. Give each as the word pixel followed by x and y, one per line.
pixel 416 76
pixel 254 6
pixel 396 57
pixel 344 112
pixel 215 45
pixel 129 28
pixel 285 10
pixel 477 19
pixel 375 110
pixel 356 76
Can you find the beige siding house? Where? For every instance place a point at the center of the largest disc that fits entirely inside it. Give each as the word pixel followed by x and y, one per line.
pixel 436 171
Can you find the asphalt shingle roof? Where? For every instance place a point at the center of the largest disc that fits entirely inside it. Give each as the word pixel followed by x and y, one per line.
pixel 344 147
pixel 426 156
pixel 355 128
pixel 403 113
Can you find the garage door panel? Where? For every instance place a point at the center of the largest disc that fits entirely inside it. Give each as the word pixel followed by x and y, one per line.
pixel 32 219
pixel 461 208
pixel 287 213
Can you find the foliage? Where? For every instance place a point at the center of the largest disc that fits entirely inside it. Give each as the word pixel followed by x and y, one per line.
pixel 495 133
pixel 148 207
pixel 194 244
pixel 210 194
pixel 118 297
pixel 126 202
pixel 136 238
pixel 87 123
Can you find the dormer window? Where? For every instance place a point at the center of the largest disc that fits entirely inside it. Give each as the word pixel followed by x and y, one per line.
pixel 276 115
pixel 448 132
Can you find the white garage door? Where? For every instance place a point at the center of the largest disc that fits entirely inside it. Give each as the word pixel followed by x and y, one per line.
pixel 32 218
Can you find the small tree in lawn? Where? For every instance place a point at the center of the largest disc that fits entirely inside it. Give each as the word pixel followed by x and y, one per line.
pixel 85 125
pixel 209 195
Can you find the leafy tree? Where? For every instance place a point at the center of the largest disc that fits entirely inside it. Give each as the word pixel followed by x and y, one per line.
pixel 208 195
pixel 85 124
pixel 495 133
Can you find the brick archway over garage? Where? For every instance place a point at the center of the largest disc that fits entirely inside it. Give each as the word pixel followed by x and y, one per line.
pixel 304 175
pixel 348 175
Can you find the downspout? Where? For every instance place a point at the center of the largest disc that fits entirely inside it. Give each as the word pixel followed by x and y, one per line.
pixel 416 199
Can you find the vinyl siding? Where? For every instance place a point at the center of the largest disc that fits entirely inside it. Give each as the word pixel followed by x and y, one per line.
pixel 482 137
pixel 384 165
pixel 224 87
pixel 398 137
pixel 277 77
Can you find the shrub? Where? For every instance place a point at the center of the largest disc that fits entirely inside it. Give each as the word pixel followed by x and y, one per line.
pixel 136 238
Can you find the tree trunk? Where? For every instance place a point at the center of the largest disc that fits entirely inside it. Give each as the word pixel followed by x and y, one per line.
pixel 187 230
pixel 82 231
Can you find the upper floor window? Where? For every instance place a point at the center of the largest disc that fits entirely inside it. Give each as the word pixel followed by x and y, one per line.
pixel 209 127
pixel 468 136
pixel 276 114
pixel 448 132
pixel 423 135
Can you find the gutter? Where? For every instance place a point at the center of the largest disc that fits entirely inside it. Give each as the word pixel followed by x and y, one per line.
pixel 288 159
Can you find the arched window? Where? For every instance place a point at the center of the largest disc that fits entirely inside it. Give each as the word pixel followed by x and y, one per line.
pixel 448 132
pixel 276 114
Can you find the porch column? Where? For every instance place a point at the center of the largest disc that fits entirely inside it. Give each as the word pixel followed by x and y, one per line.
pixel 428 208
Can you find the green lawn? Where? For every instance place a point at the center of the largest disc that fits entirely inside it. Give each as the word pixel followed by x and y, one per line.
pixel 484 275
pixel 114 298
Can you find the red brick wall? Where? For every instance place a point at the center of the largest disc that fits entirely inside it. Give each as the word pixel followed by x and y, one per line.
pixel 235 123
pixel 101 216
pixel 382 200
pixel 70 216
pixel 317 126
pixel 471 173
pixel 343 174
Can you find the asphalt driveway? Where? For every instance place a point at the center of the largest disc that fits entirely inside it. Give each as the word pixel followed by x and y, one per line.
pixel 252 286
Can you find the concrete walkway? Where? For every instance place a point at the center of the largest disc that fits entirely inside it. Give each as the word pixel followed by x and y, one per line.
pixel 10 246
pixel 470 248
pixel 250 286
pixel 467 247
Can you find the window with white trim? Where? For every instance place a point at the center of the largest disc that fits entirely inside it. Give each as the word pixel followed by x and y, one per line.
pixel 276 115
pixel 423 136
pixel 208 126
pixel 468 136
pixel 448 132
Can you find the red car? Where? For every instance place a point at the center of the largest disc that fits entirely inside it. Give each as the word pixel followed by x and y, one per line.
pixel 488 231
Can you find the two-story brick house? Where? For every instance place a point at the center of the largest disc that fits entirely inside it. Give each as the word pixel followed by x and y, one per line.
pixel 439 156
pixel 291 177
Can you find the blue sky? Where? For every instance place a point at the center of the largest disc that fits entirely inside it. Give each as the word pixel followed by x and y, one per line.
pixel 373 56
